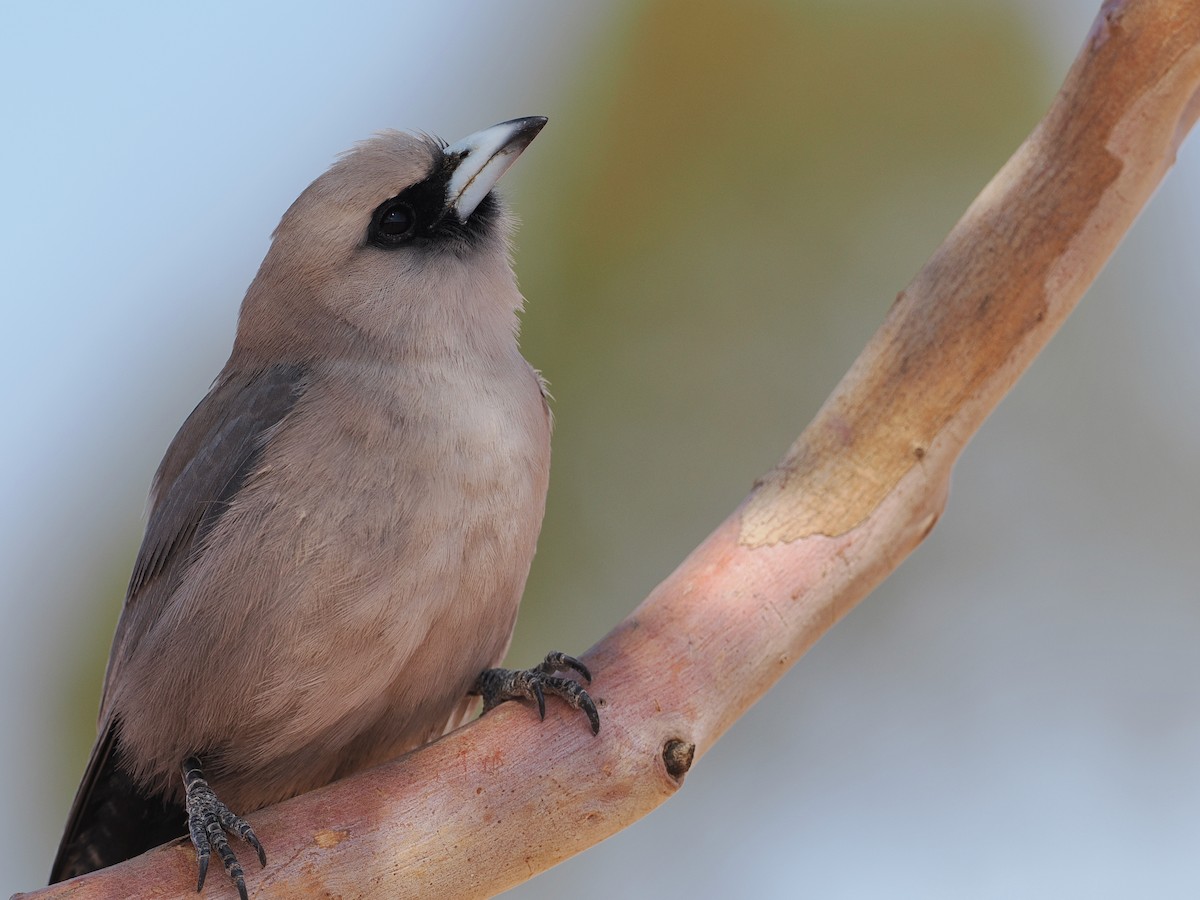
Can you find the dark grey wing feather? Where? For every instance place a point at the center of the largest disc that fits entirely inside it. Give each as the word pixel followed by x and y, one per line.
pixel 209 459
pixel 215 451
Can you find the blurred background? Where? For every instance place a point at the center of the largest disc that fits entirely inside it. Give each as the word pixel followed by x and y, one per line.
pixel 725 203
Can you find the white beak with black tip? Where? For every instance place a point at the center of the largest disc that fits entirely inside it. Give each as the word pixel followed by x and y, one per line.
pixel 483 157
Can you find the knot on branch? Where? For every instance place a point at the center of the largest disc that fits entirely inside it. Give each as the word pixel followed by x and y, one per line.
pixel 677 757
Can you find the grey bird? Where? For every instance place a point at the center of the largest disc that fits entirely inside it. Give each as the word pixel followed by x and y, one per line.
pixel 340 533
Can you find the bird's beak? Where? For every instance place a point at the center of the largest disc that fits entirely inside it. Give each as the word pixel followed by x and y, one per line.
pixel 481 158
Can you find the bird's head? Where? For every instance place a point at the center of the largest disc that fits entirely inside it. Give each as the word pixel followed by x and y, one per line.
pixel 403 234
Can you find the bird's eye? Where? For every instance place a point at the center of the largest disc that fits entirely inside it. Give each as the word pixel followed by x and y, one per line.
pixel 393 223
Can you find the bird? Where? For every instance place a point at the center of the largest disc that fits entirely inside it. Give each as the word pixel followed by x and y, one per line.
pixel 339 536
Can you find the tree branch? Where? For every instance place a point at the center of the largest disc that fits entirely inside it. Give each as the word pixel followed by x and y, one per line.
pixel 861 487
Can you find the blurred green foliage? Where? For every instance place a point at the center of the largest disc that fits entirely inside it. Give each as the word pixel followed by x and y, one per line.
pixel 714 227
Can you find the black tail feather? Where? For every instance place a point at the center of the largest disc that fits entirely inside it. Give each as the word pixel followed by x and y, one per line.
pixel 112 818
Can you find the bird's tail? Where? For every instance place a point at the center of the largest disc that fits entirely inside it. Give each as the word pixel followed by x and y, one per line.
pixel 112 819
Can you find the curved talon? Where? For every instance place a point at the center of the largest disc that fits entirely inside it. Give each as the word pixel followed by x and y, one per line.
pixel 202 858
pixel 589 709
pixel 541 699
pixel 577 698
pixel 258 847
pixel 570 662
pixel 208 821
pixel 242 829
pixel 499 685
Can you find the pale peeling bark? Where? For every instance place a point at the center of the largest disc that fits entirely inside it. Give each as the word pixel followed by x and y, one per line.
pixel 496 802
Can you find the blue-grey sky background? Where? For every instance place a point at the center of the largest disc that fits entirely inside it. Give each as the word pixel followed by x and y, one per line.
pixel 1014 713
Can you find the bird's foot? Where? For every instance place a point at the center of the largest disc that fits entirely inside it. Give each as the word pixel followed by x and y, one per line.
pixel 208 821
pixel 496 686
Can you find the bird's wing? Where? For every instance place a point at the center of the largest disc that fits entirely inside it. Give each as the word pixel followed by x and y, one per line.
pixel 214 452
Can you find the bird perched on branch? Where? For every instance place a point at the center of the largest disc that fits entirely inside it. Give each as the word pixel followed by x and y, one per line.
pixel 340 533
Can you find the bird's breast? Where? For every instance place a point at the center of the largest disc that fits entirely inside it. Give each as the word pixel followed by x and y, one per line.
pixel 404 508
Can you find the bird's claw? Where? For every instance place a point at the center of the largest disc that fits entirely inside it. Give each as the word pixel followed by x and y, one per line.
pixel 497 686
pixel 208 822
